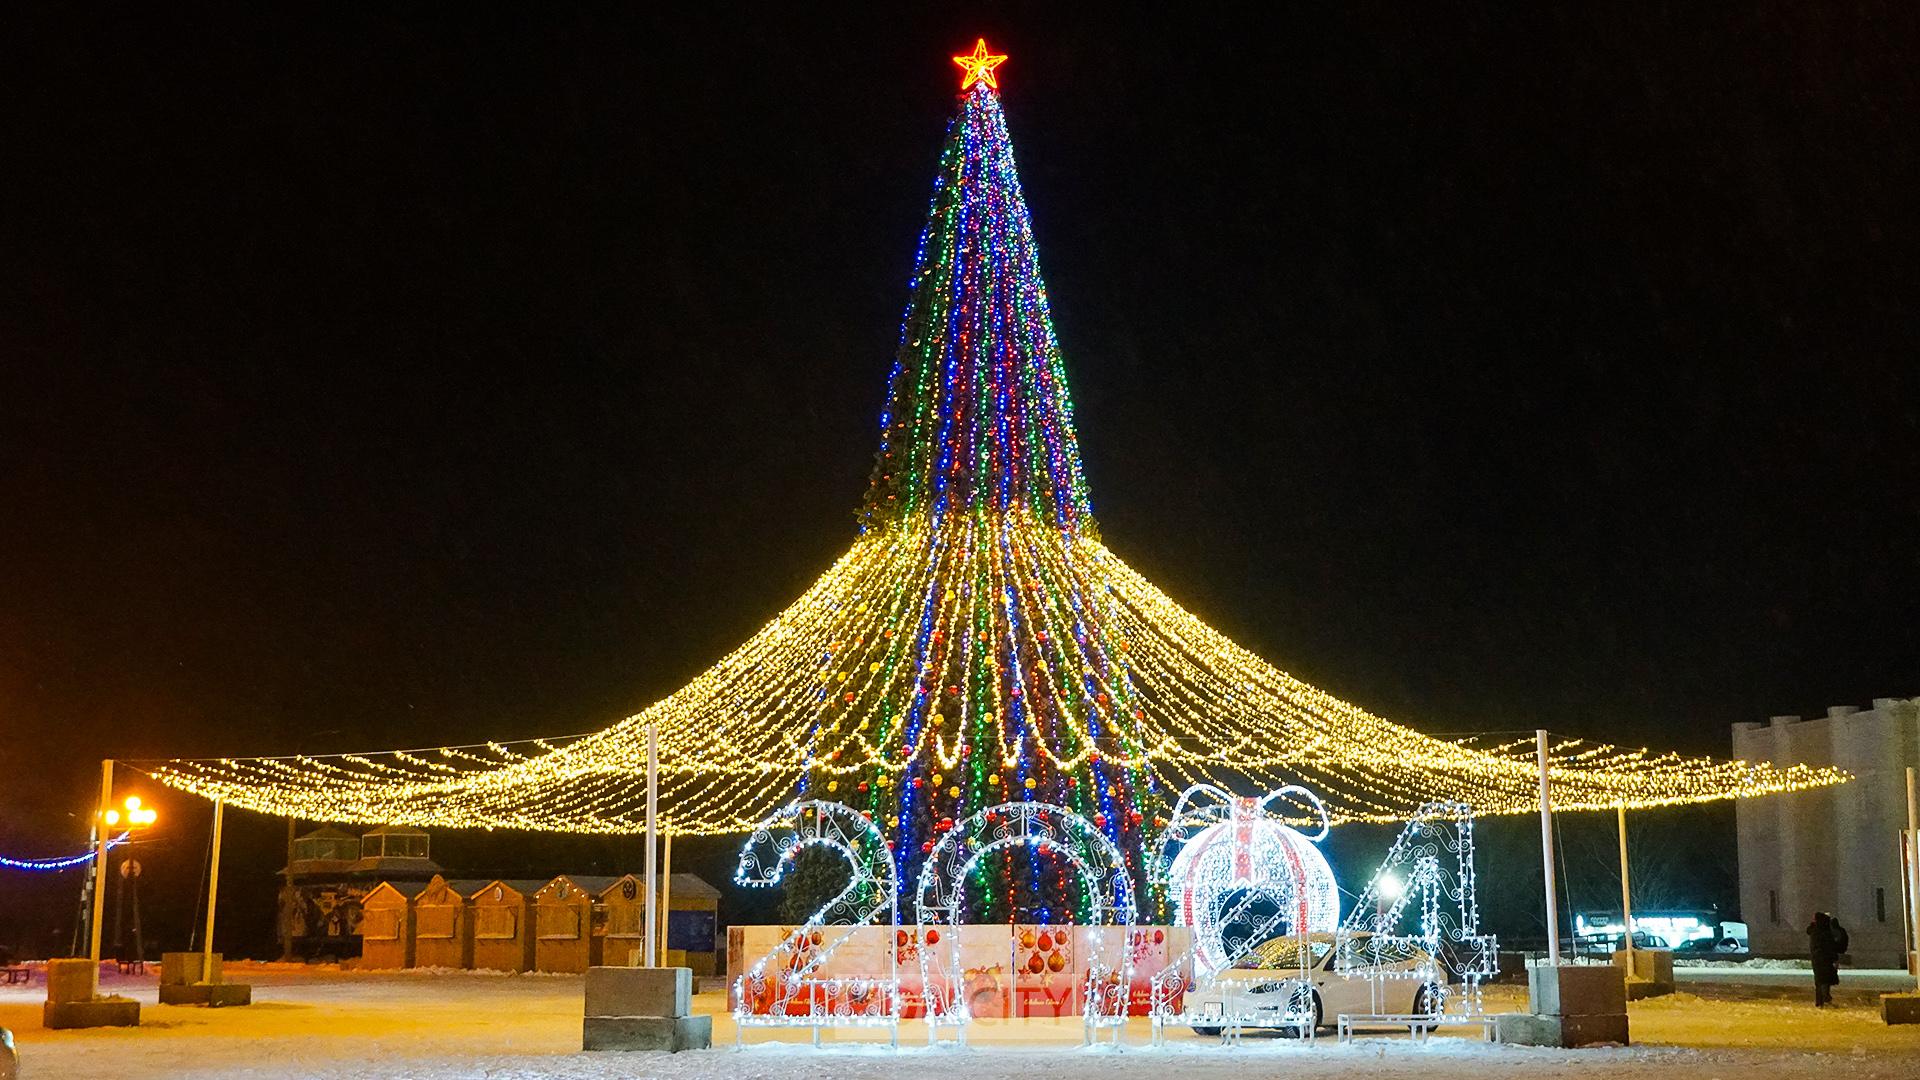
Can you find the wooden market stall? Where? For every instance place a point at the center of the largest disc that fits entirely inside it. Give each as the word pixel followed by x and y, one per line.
pixel 443 924
pixel 565 935
pixel 623 922
pixel 503 933
pixel 386 925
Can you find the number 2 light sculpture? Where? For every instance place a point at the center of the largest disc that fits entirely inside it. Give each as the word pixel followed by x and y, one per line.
pixel 784 988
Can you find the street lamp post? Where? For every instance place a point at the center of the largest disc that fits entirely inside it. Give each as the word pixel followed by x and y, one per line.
pixel 102 824
pixel 135 816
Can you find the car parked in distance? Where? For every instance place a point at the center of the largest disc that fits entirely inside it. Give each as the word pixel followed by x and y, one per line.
pixel 1603 946
pixel 1705 947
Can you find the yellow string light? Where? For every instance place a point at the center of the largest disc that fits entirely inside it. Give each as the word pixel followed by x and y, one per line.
pixel 978 630
pixel 737 740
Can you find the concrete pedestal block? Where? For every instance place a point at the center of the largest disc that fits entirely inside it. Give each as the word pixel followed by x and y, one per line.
pixel 101 1012
pixel 183 969
pixel 670 1033
pixel 215 995
pixel 1900 1008
pixel 1576 990
pixel 1649 972
pixel 1530 1029
pixel 72 980
pixel 639 991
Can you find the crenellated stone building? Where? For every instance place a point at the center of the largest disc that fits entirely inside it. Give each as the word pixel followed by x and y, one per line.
pixel 1831 849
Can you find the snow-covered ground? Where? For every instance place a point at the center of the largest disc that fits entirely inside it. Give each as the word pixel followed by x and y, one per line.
pixel 447 1025
pixel 1756 963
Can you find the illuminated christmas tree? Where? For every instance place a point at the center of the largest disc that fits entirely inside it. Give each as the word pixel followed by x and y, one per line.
pixel 995 664
pixel 978 644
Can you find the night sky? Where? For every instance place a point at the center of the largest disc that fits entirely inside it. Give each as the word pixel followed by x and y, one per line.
pixel 380 379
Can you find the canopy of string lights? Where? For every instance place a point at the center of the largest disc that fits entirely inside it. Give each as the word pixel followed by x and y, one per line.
pixel 978 643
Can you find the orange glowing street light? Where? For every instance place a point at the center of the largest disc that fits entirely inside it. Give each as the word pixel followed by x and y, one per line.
pixel 135 816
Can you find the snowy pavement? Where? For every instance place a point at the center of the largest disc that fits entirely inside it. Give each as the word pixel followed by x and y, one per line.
pixel 1859 986
pixel 309 1023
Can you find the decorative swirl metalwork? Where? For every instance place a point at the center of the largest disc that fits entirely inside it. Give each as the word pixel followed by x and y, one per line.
pixel 789 995
pixel 1431 861
pixel 941 895
pixel 1240 875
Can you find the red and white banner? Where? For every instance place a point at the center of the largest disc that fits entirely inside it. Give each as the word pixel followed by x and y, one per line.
pixel 1007 971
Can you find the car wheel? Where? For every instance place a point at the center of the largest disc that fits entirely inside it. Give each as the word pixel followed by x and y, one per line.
pixel 1206 1032
pixel 1302 1032
pixel 1428 1000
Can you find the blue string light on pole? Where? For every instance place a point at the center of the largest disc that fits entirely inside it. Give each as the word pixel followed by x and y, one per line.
pixel 67 863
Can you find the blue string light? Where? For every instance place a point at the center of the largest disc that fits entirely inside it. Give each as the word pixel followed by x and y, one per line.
pixel 67 863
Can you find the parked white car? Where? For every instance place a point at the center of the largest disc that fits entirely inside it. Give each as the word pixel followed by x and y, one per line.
pixel 1266 989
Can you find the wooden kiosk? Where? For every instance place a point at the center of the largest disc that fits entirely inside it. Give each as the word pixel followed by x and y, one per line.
pixel 503 925
pixel 386 925
pixel 623 906
pixel 563 923
pixel 443 924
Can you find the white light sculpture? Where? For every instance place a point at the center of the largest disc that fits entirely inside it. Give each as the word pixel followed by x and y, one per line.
pixel 1240 876
pixel 1037 826
pixel 780 990
pixel 1419 918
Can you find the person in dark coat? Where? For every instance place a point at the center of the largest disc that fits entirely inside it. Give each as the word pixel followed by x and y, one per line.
pixel 1826 940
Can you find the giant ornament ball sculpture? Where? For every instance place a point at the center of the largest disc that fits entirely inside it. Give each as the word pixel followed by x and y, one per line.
pixel 1240 875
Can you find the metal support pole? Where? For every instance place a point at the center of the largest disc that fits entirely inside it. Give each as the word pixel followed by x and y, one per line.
pixel 653 794
pixel 100 861
pixel 120 913
pixel 1626 891
pixel 666 891
pixel 213 892
pixel 139 941
pixel 1546 848
pixel 1913 874
pixel 80 920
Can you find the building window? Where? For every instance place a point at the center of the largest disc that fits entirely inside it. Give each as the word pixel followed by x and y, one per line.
pixel 1773 904
pixel 1880 903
